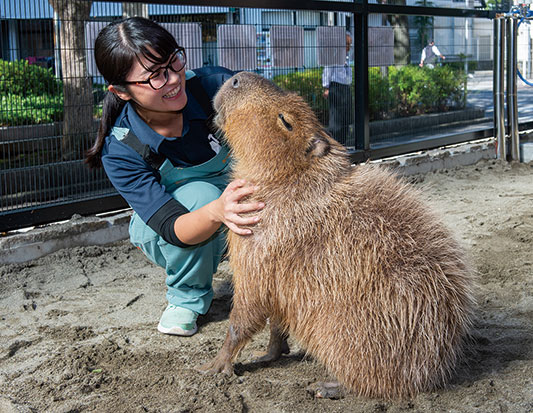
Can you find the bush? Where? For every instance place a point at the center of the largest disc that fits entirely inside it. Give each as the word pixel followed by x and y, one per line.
pixel 380 98
pixel 23 110
pixel 422 90
pixel 21 78
pixel 29 94
pixel 406 90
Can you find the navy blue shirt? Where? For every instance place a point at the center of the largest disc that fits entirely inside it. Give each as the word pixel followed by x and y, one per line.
pixel 132 176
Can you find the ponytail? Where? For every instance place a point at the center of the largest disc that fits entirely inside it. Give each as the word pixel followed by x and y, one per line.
pixel 112 106
pixel 116 49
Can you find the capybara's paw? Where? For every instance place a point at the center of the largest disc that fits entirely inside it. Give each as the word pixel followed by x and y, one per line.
pixel 326 390
pixel 273 352
pixel 215 366
pixel 263 357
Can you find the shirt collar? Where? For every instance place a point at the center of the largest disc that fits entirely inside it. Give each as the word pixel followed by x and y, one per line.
pixel 130 119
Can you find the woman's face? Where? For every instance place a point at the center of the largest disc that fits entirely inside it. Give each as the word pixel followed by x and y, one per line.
pixel 170 98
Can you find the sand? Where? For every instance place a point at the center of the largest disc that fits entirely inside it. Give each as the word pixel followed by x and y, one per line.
pixel 78 327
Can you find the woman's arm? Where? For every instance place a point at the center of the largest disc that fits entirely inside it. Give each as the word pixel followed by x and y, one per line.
pixel 197 226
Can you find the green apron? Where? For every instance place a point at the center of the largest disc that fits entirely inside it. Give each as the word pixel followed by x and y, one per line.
pixel 189 270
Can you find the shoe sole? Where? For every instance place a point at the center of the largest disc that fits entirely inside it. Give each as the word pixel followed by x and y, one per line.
pixel 176 331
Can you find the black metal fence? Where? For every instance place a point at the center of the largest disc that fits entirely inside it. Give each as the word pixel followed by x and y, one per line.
pixel 51 90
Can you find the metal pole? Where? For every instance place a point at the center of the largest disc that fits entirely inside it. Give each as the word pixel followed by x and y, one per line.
pixel 513 92
pixel 57 47
pixel 498 87
pixel 360 40
pixel 511 81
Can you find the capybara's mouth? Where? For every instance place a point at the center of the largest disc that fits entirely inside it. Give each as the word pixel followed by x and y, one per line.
pixel 218 121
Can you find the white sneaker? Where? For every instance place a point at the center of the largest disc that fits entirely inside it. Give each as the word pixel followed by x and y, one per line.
pixel 178 321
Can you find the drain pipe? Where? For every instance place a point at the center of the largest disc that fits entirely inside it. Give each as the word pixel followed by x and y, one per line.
pixel 498 86
pixel 512 97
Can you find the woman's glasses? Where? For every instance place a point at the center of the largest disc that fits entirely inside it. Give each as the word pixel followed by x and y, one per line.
pixel 159 78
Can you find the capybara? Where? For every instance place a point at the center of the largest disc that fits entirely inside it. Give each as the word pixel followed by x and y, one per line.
pixel 346 259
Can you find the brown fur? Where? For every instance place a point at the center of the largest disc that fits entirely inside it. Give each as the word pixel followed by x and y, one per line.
pixel 346 259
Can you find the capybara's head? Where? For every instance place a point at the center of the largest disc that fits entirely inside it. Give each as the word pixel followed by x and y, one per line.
pixel 262 122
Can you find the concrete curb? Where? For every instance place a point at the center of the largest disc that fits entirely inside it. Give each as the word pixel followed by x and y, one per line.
pixel 442 158
pixel 22 246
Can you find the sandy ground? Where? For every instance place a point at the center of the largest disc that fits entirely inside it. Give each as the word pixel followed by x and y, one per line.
pixel 79 326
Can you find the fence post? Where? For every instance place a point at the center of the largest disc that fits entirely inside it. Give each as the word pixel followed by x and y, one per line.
pixel 362 131
pixel 512 99
pixel 498 86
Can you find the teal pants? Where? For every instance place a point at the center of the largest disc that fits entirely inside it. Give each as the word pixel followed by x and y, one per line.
pixel 189 271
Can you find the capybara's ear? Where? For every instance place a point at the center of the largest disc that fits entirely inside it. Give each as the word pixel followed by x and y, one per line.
pixel 318 146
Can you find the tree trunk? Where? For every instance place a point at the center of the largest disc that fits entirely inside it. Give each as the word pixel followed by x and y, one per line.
pixel 402 44
pixel 134 10
pixel 78 126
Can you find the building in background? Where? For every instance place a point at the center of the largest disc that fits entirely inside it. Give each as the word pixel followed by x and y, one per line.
pixel 29 31
pixel 251 39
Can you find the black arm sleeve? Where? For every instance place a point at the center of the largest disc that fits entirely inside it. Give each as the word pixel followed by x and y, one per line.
pixel 163 220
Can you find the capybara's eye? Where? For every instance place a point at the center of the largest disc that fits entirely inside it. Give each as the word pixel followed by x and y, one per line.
pixel 285 123
pixel 235 83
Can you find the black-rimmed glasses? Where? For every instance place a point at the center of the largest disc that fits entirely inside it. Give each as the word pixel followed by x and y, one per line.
pixel 159 78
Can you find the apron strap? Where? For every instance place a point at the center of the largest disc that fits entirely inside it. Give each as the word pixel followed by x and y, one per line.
pixel 153 159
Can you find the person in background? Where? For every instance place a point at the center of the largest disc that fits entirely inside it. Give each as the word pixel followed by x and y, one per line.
pixel 159 150
pixel 337 81
pixel 429 55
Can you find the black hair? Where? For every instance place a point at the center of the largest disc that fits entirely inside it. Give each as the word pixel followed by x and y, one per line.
pixel 117 47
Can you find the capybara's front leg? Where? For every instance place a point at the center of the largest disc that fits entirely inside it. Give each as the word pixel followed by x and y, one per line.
pixel 243 325
pixel 277 344
pixel 222 363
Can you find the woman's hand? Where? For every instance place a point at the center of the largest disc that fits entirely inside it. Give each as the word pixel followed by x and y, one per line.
pixel 228 209
pixel 198 225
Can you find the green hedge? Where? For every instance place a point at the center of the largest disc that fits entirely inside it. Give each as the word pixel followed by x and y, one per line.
pixel 380 98
pixel 27 110
pixel 418 90
pixel 29 94
pixel 403 91
pixel 23 79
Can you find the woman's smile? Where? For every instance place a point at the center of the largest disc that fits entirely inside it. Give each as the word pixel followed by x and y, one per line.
pixel 173 93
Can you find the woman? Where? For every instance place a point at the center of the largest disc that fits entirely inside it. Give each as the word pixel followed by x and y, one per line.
pixel 156 146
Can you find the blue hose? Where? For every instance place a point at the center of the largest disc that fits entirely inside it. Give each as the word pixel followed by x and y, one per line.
pixel 527 82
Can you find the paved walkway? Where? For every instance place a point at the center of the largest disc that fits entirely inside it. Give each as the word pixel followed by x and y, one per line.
pixel 480 95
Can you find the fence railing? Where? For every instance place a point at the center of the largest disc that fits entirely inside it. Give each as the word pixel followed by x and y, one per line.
pixel 51 89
